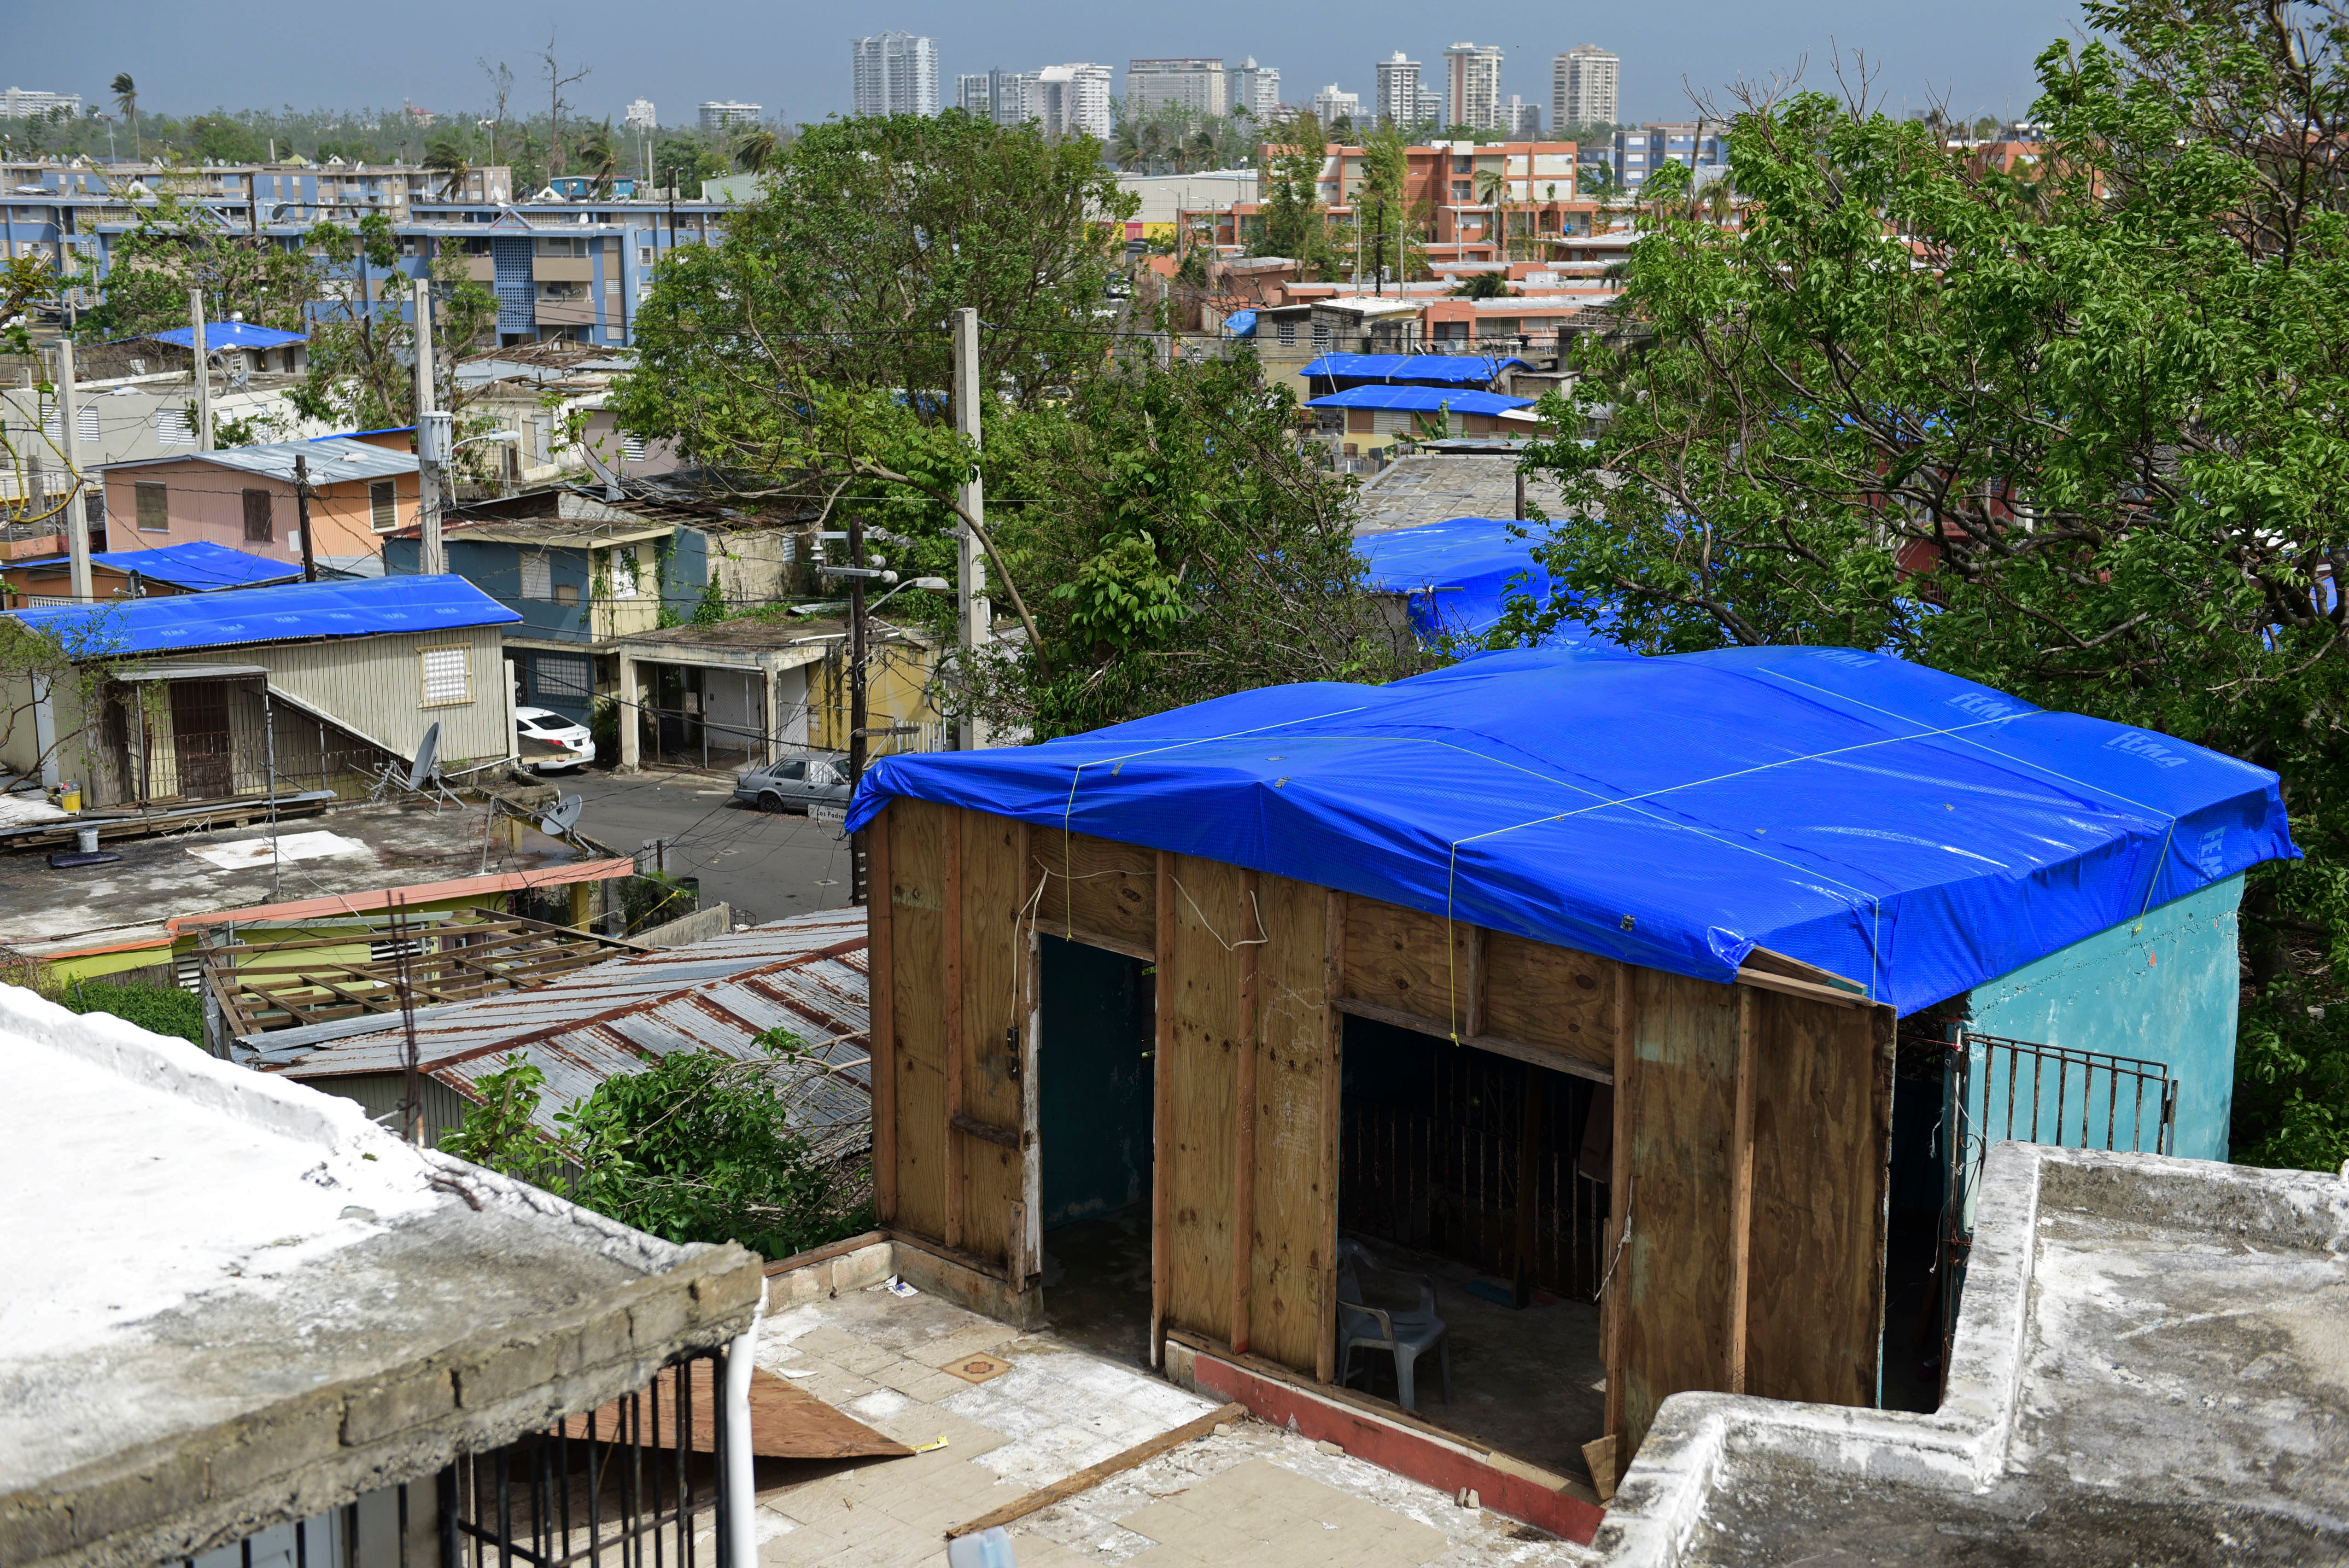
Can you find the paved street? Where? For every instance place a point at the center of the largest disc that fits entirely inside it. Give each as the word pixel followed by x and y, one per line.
pixel 765 866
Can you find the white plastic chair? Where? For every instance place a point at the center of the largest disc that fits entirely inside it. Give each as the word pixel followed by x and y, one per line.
pixel 1406 1335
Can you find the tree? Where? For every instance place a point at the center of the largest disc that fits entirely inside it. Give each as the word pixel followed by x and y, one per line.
pixel 218 136
pixel 126 100
pixel 1493 189
pixel 756 147
pixel 1384 195
pixel 557 78
pixel 1293 216
pixel 2087 442
pixel 698 1147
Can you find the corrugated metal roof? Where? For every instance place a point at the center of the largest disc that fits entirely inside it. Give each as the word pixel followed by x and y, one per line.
pixel 332 458
pixel 806 974
pixel 288 611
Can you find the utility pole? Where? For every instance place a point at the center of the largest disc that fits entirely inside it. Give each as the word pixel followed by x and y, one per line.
pixel 1379 254
pixel 76 504
pixel 977 618
pixel 857 743
pixel 203 377
pixel 432 559
pixel 302 514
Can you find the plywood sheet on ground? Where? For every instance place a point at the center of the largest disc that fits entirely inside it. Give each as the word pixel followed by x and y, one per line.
pixel 786 1422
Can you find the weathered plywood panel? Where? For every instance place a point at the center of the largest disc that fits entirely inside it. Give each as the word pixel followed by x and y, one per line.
pixel 991 1016
pixel 918 1012
pixel 1102 892
pixel 1295 1215
pixel 1396 958
pixel 1200 986
pixel 1822 1144
pixel 1675 1266
pixel 1552 997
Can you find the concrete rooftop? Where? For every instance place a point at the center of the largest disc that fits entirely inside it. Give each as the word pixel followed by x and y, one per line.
pixel 235 1301
pixel 2151 1366
pixel 1248 1493
pixel 1435 487
pixel 397 845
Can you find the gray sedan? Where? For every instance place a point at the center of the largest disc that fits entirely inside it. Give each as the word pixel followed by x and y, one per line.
pixel 797 785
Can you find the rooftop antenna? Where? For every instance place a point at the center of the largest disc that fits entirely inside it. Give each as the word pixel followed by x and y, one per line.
pixel 563 817
pixel 423 768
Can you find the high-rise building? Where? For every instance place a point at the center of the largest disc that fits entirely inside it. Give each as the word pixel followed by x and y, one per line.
pixel 1430 107
pixel 642 116
pixel 975 95
pixel 719 118
pixel 1397 96
pixel 1582 88
pixel 1069 100
pixel 1254 87
pixel 1643 150
pixel 897 73
pixel 23 103
pixel 1198 86
pixel 1017 97
pixel 1521 119
pixel 1329 106
pixel 1472 81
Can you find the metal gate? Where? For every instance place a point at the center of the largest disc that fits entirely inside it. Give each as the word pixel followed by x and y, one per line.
pixel 2000 1089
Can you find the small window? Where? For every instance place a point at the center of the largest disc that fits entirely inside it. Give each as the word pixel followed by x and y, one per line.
pixel 86 422
pixel 563 677
pixel 566 593
pixel 1288 331
pixel 154 508
pixel 624 574
pixel 538 576
pixel 260 528
pixel 382 506
pixel 446 677
pixel 632 448
pixel 644 255
pixel 172 429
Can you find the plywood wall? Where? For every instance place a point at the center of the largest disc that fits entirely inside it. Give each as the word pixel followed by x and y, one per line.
pixel 1751 1122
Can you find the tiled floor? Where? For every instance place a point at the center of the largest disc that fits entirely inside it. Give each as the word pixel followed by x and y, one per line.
pixel 1250 1494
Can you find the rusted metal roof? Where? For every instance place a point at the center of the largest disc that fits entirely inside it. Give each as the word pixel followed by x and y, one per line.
pixel 806 974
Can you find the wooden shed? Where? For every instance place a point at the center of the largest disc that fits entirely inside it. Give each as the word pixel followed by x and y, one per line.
pixel 1751 1122
pixel 1632 933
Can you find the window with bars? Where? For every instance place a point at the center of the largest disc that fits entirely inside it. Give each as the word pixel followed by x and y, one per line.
pixel 538 576
pixel 154 508
pixel 562 678
pixel 447 678
pixel 260 528
pixel 382 506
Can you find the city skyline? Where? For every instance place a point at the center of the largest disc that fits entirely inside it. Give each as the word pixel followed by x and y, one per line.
pixel 726 50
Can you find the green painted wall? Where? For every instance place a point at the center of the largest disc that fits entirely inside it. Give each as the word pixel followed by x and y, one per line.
pixel 2162 987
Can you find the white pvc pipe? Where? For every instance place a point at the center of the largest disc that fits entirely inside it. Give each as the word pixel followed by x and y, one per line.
pixel 741 1546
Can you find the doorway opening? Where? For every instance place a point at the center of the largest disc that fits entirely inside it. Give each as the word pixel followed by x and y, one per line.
pixel 1097 1029
pixel 1484 1181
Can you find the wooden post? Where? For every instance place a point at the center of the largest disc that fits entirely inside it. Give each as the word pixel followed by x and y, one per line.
pixel 949 1138
pixel 880 1042
pixel 1244 1131
pixel 1741 1192
pixel 1521 1290
pixel 1161 1190
pixel 1333 985
pixel 1471 1012
pixel 1619 1195
pixel 1025 1049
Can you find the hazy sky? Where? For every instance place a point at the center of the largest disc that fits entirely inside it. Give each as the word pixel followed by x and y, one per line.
pixel 793 58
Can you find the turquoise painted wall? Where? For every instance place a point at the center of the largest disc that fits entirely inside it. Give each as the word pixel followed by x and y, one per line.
pixel 2162 987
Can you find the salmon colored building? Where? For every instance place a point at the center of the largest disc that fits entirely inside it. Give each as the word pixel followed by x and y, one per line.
pixel 243 497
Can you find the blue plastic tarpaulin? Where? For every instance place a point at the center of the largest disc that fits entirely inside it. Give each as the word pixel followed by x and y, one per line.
pixel 1240 324
pixel 1458 576
pixel 1421 399
pixel 1913 831
pixel 220 335
pixel 197 564
pixel 353 608
pixel 1423 369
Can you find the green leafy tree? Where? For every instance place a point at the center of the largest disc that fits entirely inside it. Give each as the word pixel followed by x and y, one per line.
pixel 698 1147
pixel 1384 198
pixel 1295 223
pixel 2084 437
pixel 220 134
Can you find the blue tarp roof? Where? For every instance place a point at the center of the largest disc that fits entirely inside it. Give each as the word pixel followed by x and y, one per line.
pixel 1911 831
pixel 1425 369
pixel 229 335
pixel 352 608
pixel 1240 324
pixel 195 564
pixel 1421 399
pixel 1459 574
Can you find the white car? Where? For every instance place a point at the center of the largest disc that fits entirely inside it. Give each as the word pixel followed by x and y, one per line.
pixel 549 742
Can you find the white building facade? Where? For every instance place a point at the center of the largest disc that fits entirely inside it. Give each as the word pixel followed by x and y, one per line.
pixel 1472 77
pixel 895 73
pixel 718 117
pixel 1072 99
pixel 1199 86
pixel 1254 87
pixel 1330 105
pixel 1398 91
pixel 1584 88
pixel 642 116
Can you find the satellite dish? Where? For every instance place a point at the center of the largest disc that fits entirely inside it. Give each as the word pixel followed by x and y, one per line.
pixel 560 820
pixel 428 752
